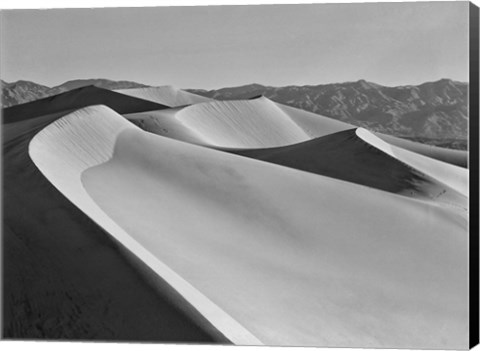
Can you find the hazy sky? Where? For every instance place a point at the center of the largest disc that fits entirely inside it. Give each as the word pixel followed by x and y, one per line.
pixel 213 47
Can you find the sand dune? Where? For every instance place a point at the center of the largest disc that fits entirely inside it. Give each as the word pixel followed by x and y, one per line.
pixel 261 123
pixel 237 124
pixel 268 254
pixel 82 140
pixel 346 156
pixel 63 277
pixel 165 95
pixel 242 123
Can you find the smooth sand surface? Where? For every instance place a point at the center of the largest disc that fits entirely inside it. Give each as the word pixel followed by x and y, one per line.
pixel 266 253
pixel 64 277
pixel 165 95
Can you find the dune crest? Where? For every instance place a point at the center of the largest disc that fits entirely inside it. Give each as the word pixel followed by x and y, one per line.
pixel 86 138
pixel 264 251
pixel 165 95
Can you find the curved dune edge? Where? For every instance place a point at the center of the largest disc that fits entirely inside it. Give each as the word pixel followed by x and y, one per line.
pixel 453 176
pixel 165 95
pixel 84 139
pixel 298 274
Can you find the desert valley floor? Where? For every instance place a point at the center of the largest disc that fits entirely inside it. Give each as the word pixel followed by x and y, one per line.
pixel 154 214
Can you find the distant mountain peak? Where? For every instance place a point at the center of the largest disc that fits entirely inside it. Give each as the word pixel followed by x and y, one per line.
pixel 367 85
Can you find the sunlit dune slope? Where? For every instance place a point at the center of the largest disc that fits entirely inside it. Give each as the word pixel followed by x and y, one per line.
pixel 242 123
pixel 266 253
pixel 165 95
pixel 76 99
pixel 237 124
pixel 345 156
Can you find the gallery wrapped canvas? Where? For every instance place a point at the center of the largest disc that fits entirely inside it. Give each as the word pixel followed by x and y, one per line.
pixel 279 175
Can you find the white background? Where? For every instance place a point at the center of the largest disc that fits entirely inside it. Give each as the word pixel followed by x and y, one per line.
pixel 77 346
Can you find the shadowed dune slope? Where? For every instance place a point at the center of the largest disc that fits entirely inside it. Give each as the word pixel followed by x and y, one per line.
pixel 268 247
pixel 345 156
pixel 63 277
pixel 165 95
pixel 76 99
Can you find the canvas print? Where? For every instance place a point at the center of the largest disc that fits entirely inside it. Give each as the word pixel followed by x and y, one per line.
pixel 282 175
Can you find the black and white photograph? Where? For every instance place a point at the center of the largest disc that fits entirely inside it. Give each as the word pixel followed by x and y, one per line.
pixel 250 174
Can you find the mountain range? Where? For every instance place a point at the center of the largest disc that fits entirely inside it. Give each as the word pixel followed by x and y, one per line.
pixel 432 112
